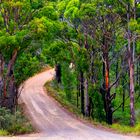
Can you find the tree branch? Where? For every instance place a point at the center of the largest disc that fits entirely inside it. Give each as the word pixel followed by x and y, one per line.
pixel 119 105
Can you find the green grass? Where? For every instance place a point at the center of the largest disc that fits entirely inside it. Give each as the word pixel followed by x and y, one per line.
pixel 121 119
pixel 127 129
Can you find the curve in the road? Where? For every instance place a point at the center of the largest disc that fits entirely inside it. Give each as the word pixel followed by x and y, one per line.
pixel 52 121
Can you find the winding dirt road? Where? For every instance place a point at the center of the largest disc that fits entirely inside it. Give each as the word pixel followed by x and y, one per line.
pixel 52 122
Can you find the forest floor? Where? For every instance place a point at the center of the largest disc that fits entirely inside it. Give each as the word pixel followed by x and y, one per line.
pixel 51 120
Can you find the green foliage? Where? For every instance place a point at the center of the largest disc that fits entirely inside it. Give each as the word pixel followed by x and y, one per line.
pixel 138 47
pixel 36 4
pixel 97 112
pixel 127 129
pixel 87 10
pixel 26 66
pixel 29 25
pixel 71 9
pixel 134 26
pixel 62 6
pixel 13 123
pixel 3 132
pixel 49 11
pixel 68 80
pixel 56 52
pixel 71 32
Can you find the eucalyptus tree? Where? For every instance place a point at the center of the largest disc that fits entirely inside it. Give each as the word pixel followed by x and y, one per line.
pixel 16 33
pixel 132 36
pixel 77 48
pixel 131 28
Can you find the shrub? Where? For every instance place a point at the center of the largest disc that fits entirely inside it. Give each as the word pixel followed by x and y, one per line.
pixel 13 123
pixel 4 133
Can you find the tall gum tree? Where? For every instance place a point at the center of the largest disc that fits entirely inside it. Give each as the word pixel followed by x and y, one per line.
pixel 15 36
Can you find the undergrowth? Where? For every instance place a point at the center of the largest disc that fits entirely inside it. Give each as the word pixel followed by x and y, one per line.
pixel 118 126
pixel 13 123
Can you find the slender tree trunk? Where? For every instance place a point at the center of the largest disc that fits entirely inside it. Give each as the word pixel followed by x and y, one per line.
pixel 78 90
pixel 117 67
pixel 123 84
pixel 137 75
pixel 82 93
pixel 123 103
pixel 131 90
pixel 87 103
pixel 132 109
pixel 131 70
pixel 92 67
pixel 58 73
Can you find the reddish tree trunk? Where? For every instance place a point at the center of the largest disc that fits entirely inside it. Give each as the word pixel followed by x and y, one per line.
pixel 10 66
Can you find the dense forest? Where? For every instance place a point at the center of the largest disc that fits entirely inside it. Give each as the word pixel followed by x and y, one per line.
pixel 94 46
